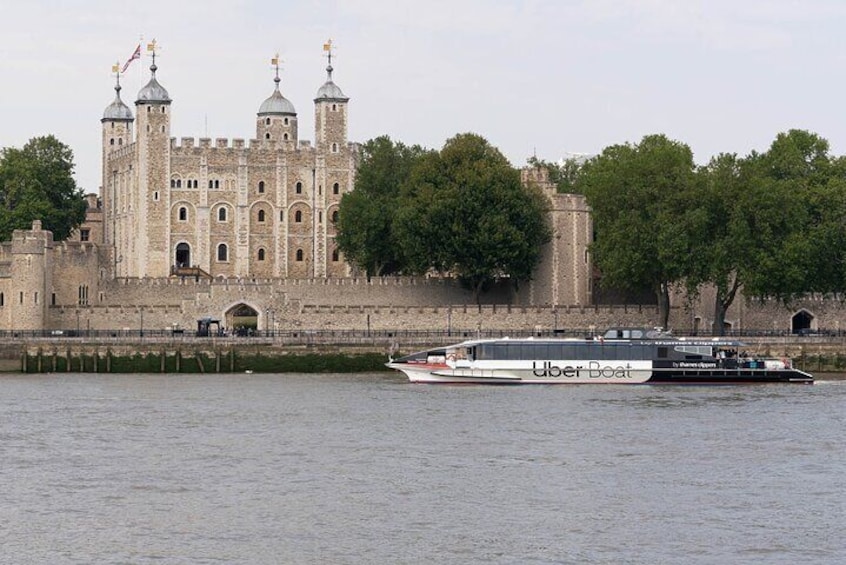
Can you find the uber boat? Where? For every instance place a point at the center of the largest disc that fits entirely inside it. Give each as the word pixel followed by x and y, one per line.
pixel 621 356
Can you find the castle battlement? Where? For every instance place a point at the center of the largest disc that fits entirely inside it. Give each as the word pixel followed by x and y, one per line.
pixel 206 144
pixel 125 151
pixel 568 202
pixel 76 247
pixel 34 241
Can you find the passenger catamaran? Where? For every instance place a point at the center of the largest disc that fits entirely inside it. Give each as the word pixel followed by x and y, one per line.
pixel 621 356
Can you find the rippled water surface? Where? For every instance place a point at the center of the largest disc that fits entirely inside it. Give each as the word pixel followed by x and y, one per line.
pixel 370 469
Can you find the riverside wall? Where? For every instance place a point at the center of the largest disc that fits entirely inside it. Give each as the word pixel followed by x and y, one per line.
pixel 273 354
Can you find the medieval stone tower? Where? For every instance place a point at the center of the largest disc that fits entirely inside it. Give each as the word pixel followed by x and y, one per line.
pixel 30 252
pixel 225 208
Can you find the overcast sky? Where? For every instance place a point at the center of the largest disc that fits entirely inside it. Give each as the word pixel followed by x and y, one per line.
pixel 544 77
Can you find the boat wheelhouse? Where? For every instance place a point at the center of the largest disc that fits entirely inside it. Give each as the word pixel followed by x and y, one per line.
pixel 621 356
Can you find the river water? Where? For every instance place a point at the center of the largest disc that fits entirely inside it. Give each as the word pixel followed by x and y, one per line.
pixel 371 469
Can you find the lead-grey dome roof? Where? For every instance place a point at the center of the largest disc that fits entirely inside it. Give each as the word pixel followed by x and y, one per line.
pixel 117 110
pixel 277 104
pixel 330 90
pixel 153 91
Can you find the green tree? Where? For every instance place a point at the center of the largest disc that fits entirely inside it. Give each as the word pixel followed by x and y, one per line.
pixel 771 224
pixel 465 211
pixel 639 195
pixel 36 183
pixel 366 214
pixel 723 247
pixel 798 218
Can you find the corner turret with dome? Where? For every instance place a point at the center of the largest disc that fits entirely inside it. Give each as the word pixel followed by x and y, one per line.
pixel 276 118
pixel 117 110
pixel 153 91
pixel 276 104
pixel 330 92
pixel 330 111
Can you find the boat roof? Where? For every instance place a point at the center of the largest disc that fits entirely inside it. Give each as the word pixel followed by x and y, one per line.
pixel 667 341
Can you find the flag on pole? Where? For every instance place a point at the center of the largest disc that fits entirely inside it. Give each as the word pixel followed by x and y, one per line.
pixel 327 46
pixel 275 60
pixel 151 46
pixel 116 67
pixel 135 55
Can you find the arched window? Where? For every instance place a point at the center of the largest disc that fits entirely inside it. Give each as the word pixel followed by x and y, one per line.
pixel 299 254
pixel 2 299
pixel 336 188
pixel 334 148
pixel 267 136
pixel 261 254
pixel 285 137
pixel 221 214
pixel 183 214
pixel 334 216
pixel 335 256
pixel 281 215
pixel 261 215
pixel 261 187
pixel 299 187
pixel 112 141
pixel 298 216
pixel 267 121
pixel 222 252
pixel 286 121
pixel 120 141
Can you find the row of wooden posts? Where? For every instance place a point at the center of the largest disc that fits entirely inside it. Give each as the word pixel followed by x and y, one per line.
pixel 46 362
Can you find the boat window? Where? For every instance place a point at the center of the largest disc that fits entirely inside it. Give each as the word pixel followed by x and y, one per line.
pixel 483 352
pixel 704 350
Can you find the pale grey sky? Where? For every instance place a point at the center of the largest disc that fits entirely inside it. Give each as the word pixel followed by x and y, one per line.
pixel 532 76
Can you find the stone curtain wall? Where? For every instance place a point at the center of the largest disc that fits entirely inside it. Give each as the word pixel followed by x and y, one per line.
pixel 392 303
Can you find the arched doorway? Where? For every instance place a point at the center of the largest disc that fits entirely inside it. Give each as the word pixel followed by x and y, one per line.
pixel 183 255
pixel 802 320
pixel 242 319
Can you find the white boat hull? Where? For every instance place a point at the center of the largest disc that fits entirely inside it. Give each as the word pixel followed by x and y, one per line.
pixel 540 373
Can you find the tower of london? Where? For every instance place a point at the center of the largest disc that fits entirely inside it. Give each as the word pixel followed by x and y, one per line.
pixel 225 208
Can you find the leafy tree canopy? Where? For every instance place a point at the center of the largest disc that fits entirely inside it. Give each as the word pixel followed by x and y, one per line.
pixel 465 211
pixel 638 194
pixel 36 183
pixel 365 214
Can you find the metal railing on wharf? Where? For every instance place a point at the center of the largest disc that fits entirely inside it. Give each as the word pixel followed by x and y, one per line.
pixel 388 336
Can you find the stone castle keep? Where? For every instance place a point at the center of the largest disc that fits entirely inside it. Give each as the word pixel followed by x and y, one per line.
pixel 243 232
